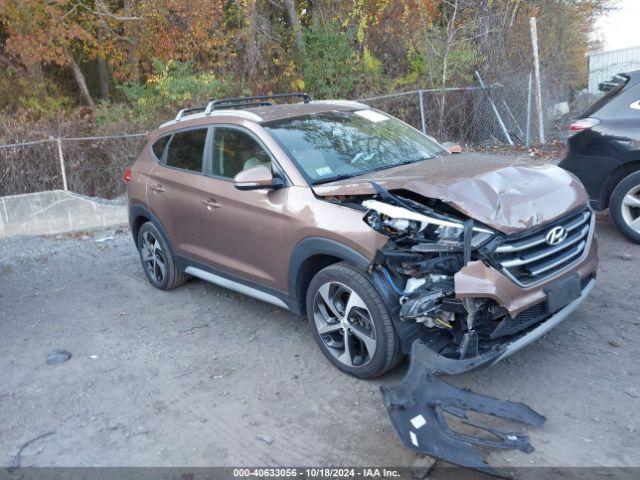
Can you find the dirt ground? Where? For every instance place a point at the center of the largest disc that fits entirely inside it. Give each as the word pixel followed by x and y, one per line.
pixel 201 376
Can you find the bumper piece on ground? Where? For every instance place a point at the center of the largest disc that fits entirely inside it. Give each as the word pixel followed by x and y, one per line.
pixel 420 405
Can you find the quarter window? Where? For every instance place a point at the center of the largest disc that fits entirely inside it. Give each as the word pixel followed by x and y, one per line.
pixel 234 151
pixel 158 147
pixel 186 149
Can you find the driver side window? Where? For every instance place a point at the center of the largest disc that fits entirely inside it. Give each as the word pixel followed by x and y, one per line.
pixel 234 151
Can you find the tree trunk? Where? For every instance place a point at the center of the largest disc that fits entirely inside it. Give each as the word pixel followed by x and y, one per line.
pixel 294 21
pixel 451 28
pixel 251 40
pixel 103 71
pixel 80 80
pixel 317 16
pixel 482 32
pixel 132 51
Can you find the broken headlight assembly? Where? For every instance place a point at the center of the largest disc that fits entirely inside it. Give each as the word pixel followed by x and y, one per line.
pixel 426 248
pixel 448 234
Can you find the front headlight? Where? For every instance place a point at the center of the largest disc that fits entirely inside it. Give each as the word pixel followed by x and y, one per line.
pixel 456 236
pixel 441 229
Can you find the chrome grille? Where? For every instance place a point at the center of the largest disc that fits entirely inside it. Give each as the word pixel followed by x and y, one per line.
pixel 530 259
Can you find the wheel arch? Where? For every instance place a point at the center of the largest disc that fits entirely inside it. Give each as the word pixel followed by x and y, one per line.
pixel 619 174
pixel 312 255
pixel 315 253
pixel 138 216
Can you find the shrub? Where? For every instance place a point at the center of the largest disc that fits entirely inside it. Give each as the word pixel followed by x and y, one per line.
pixel 331 67
pixel 172 86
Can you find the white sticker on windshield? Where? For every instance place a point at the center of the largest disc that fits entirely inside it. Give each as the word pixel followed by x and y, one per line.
pixel 324 171
pixel 372 115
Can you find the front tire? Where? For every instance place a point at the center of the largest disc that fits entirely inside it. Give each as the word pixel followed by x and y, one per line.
pixel 625 207
pixel 157 260
pixel 350 322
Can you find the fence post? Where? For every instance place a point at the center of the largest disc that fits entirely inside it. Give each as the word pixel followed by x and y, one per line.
pixel 62 168
pixel 495 110
pixel 422 119
pixel 536 70
pixel 528 136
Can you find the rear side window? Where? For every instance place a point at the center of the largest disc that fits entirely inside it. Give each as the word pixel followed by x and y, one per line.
pixel 158 147
pixel 186 150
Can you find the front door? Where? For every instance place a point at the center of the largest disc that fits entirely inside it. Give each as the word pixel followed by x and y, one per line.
pixel 244 229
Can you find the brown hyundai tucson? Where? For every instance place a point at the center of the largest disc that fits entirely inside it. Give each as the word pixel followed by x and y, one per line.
pixel 371 229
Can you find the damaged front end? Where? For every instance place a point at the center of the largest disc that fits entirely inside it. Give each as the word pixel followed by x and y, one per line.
pixel 465 292
pixel 467 286
pixel 427 246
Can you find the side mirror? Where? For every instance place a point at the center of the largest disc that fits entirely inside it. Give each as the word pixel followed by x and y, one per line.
pixel 452 147
pixel 257 178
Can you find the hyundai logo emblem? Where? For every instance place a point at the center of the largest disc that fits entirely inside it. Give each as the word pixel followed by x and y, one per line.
pixel 556 235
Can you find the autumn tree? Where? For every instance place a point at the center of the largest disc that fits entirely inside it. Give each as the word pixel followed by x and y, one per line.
pixel 46 32
pixel 110 49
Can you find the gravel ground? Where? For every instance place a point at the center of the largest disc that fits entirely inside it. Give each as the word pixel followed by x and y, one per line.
pixel 201 376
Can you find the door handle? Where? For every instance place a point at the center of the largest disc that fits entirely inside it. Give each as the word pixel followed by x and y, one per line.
pixel 210 204
pixel 157 188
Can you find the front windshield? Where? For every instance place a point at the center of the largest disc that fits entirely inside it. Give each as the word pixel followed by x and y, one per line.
pixel 334 145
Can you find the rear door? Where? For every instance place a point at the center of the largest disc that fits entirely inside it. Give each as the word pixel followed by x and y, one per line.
pixel 244 229
pixel 175 189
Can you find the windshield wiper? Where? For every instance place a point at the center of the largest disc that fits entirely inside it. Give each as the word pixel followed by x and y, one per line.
pixel 344 176
pixel 413 161
pixel 372 170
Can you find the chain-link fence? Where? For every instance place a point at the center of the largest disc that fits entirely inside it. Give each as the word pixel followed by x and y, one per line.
pixel 29 167
pixel 498 114
pixel 91 166
pixel 95 165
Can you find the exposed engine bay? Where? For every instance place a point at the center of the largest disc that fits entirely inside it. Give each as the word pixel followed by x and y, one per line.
pixel 428 245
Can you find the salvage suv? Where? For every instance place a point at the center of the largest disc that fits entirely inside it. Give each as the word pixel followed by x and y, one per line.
pixel 371 229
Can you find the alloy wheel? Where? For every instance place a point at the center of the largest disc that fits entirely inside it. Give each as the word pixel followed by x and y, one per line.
pixel 152 257
pixel 631 208
pixel 344 323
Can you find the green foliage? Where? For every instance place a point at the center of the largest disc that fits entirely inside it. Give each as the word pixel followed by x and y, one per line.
pixel 426 67
pixel 462 62
pixel 31 100
pixel 172 86
pixel 331 68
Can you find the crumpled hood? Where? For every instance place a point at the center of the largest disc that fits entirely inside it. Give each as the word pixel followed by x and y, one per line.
pixel 510 194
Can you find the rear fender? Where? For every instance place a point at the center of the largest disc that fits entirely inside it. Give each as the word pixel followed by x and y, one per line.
pixel 136 211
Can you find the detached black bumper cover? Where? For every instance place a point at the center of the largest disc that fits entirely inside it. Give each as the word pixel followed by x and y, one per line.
pixel 418 405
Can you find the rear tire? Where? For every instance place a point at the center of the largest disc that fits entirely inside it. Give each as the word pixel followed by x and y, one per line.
pixel 624 207
pixel 345 310
pixel 157 259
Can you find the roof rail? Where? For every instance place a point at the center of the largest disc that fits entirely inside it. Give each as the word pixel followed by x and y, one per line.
pixel 187 111
pixel 241 102
pixel 255 101
pixel 211 106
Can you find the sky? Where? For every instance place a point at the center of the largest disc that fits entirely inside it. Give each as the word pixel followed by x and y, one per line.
pixel 620 28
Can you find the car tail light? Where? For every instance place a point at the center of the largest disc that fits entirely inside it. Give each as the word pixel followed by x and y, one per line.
pixel 583 124
pixel 127 175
